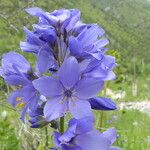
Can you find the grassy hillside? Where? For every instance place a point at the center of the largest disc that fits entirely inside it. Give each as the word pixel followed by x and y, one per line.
pixel 132 17
pixel 126 22
pixel 127 25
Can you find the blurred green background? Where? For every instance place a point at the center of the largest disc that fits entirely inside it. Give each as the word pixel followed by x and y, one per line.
pixel 127 24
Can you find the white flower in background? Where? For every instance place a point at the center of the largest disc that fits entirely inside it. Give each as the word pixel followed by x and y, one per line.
pixel 4 114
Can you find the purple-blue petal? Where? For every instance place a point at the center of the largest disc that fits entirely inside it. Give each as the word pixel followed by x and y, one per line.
pixel 88 88
pixel 76 108
pixel 56 136
pixel 34 103
pixel 46 33
pixel 92 141
pixel 75 47
pixel 37 12
pixel 69 72
pixel 92 34
pixel 32 38
pixel 101 74
pixel 27 47
pixel 16 80
pixel 23 112
pixel 70 23
pixel 111 135
pixel 45 59
pixel 83 125
pixel 12 97
pixel 15 62
pixel 48 86
pixel 54 108
pixel 101 43
pixel 69 134
pixel 28 93
pixel 102 103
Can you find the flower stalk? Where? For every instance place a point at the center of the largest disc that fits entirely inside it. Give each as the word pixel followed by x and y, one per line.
pixel 62 125
pixel 71 69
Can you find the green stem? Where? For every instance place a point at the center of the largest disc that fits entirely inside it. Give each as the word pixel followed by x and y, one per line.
pixel 61 125
pixel 101 120
pixel 46 137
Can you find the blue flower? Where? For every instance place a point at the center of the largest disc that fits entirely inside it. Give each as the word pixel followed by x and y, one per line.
pixel 101 69
pixel 81 135
pixel 61 34
pixel 62 19
pixel 102 103
pixel 87 43
pixel 46 39
pixel 71 69
pixel 67 91
pixel 16 71
pixel 37 45
pixel 37 119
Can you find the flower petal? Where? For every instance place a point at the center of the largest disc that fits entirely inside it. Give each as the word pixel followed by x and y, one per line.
pixel 102 74
pixel 12 61
pixel 12 98
pixel 88 88
pixel 75 47
pixel 111 135
pixel 101 43
pixel 46 32
pixel 92 141
pixel 37 12
pixel 83 125
pixel 95 55
pixel 56 136
pixel 75 16
pixel 28 93
pixel 32 38
pixel 92 34
pixel 69 134
pixel 48 86
pixel 23 112
pixel 45 60
pixel 61 15
pixel 69 72
pixel 17 80
pixel 24 94
pixel 102 103
pixel 54 109
pixel 80 108
pixel 70 147
pixel 27 47
pixel 34 103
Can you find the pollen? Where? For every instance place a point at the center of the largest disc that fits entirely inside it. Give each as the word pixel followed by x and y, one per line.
pixel 64 99
pixel 18 98
pixel 74 98
pixel 20 105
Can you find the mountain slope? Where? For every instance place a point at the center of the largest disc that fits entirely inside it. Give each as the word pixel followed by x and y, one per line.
pixel 126 22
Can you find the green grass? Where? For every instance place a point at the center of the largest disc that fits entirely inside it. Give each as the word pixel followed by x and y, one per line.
pixel 128 34
pixel 132 126
pixel 8 138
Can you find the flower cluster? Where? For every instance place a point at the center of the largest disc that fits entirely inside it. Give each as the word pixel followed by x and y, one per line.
pixel 71 68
